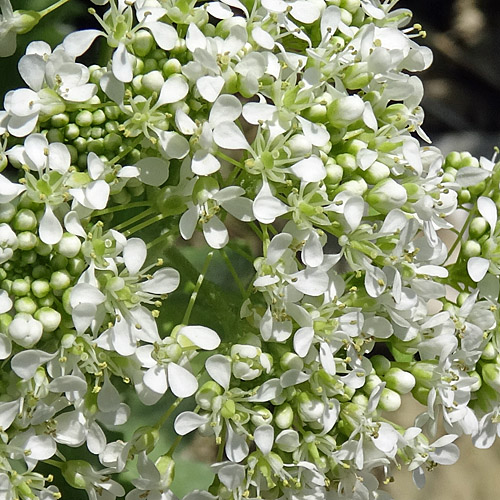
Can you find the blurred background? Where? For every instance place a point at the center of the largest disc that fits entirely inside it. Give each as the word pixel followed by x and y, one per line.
pixel 462 106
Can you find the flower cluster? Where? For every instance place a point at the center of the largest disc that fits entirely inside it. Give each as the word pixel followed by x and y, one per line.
pixel 301 120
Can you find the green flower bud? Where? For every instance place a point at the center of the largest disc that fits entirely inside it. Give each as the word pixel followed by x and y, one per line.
pixel 397 115
pixel 153 81
pixel 145 439
pixel 75 472
pixel 310 408
pixel 380 364
pixel 489 352
pixel 112 142
pixel 84 118
pixel 59 120
pixel 20 287
pixel 348 162
pixel 386 196
pixel 7 212
pixel 5 321
pixel 291 361
pixel 166 467
pixel 471 248
pixel 283 416
pixel 357 76
pixel 206 393
pixel 49 318
pixel 491 375
pixel 143 43
pixel 25 20
pixel 262 416
pixel 76 266
pixel 399 380
pixel 316 113
pixel 25 220
pixel 27 240
pixel 376 172
pixel 60 280
pixel 69 246
pixel 171 67
pixel 334 174
pixel 389 400
pixel 478 227
pixel 228 409
pixel 423 371
pixel 351 5
pixel 25 305
pixel 478 383
pixel 345 110
pixel 40 288
pixel 25 330
pixel 372 382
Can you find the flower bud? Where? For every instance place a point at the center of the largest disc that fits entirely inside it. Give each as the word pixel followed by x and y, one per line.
pixel 75 472
pixel 25 220
pixel 170 67
pixel 386 196
pixel 84 118
pixel 153 81
pixel 50 318
pixel 166 468
pixel 25 330
pixel 299 146
pixel 262 416
pixel 380 364
pixel 206 394
pixel 145 439
pixel 27 240
pixel 25 305
pixel 389 400
pixel 7 212
pixel 478 383
pixel 283 416
pixel 489 352
pixel 478 227
pixel 399 380
pixel 20 287
pixel 376 172
pixel 471 248
pixel 357 76
pixel 345 110
pixel 372 382
pixel 69 246
pixel 60 280
pixel 310 408
pixel 291 361
pixel 491 375
pixel 143 43
pixel 25 20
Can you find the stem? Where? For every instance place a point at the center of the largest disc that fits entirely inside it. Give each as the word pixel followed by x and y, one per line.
pixel 230 160
pixel 460 234
pixel 145 224
pixel 159 239
pixel 52 7
pixel 54 463
pixel 167 414
pixel 134 219
pixel 197 287
pixel 126 151
pixel 174 446
pixel 136 204
pixel 233 272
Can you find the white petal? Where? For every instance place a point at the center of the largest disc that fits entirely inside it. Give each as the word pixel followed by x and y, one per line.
pixel 173 90
pixel 201 336
pixel 215 233
pixel 315 133
pixel 311 282
pixel 309 169
pixel 264 438
pixel 134 255
pixel 122 64
pixel 50 229
pixel 312 253
pixel 164 34
pixel 40 447
pixel 488 209
pixel 330 21
pixel 156 379
pixel 227 135
pixel 305 11
pixel 302 340
pixel 163 281
pixel 226 108
pixel 182 382
pixel 26 363
pixel 266 207
pixel 210 87
pixel 204 163
pixel 236 446
pixel 187 224
pixel 112 87
pixel 263 38
pixel 173 144
pixel 477 267
pixel 353 211
pixel 77 43
pixel 219 368
pixel 153 171
pixel 32 70
pixel 188 421
pixel 108 398
pixel 97 194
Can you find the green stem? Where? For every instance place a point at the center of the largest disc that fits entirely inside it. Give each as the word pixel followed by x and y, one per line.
pixel 118 208
pixel 197 287
pixel 126 151
pixel 460 234
pixel 167 414
pixel 230 160
pixel 54 463
pixel 174 446
pixel 233 272
pixel 145 224
pixel 134 219
pixel 165 236
pixel 52 7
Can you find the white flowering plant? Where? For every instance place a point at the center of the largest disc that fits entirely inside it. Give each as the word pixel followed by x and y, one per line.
pixel 286 134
